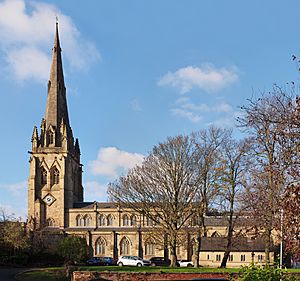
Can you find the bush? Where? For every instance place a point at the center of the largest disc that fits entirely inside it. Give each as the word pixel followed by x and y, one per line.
pixel 258 273
pixel 74 249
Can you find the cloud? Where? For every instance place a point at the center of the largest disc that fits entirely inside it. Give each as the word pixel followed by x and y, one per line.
pixel 27 34
pixel 135 105
pixel 12 212
pixel 14 193
pixel 195 118
pixel 95 191
pixel 206 77
pixel 111 162
pixel 194 112
pixel 18 190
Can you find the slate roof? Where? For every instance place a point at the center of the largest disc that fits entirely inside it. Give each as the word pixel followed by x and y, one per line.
pixel 240 244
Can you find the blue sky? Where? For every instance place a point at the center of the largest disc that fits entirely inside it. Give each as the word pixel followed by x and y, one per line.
pixel 136 72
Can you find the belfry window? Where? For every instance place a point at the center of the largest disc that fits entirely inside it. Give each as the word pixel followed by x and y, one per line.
pixel 50 138
pixel 43 176
pixel 54 176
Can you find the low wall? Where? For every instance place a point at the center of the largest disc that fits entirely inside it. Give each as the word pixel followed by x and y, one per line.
pixel 117 276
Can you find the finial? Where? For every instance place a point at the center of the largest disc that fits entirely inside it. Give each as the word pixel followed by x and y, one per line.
pixel 56 17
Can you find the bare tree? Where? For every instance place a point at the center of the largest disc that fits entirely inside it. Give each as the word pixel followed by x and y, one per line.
pixel 234 168
pixel 162 189
pixel 207 174
pixel 267 120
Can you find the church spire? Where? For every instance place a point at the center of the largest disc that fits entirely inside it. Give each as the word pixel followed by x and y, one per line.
pixel 56 109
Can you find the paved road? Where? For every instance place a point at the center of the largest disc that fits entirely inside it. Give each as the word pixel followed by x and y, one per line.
pixel 7 274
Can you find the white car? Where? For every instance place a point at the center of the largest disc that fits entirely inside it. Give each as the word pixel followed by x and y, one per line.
pixel 132 261
pixel 185 263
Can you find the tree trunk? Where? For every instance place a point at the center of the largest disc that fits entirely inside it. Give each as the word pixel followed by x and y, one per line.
pixel 230 230
pixel 173 253
pixel 268 245
pixel 197 254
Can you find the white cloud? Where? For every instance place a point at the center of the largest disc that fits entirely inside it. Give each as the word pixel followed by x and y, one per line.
pixel 12 212
pixel 16 193
pixel 222 107
pixel 111 162
pixel 206 77
pixel 195 118
pixel 94 191
pixel 18 190
pixel 27 34
pixel 194 112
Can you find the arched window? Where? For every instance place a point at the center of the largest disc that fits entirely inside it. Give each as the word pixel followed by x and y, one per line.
pixel 125 220
pixel 101 220
pixel 133 220
pixel 100 246
pixel 43 176
pixel 87 220
pixel 54 176
pixel 125 246
pixel 149 222
pixel 50 222
pixel 79 221
pixel 109 220
pixel 149 248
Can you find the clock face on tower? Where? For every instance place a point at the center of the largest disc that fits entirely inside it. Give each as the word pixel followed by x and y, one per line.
pixel 49 199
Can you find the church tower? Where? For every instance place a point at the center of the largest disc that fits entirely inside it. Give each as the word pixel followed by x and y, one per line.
pixel 55 179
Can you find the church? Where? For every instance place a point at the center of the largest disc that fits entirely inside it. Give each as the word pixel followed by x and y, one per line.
pixel 56 196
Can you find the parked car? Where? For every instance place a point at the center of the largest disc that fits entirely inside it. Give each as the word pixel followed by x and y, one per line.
pixel 101 261
pixel 185 263
pixel 159 261
pixel 132 261
pixel 93 261
pixel 108 261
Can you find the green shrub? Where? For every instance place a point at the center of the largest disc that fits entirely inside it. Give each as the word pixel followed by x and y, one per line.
pixel 265 273
pixel 74 249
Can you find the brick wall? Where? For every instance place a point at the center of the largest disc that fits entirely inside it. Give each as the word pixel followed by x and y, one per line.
pixel 115 276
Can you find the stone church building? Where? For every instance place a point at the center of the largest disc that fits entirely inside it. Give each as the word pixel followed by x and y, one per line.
pixel 56 197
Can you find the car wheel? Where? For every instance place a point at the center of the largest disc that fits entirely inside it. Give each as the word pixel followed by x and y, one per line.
pixel 189 265
pixel 139 265
pixel 120 264
pixel 152 264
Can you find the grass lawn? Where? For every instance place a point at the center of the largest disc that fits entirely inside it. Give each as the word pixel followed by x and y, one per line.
pixel 49 274
pixel 57 274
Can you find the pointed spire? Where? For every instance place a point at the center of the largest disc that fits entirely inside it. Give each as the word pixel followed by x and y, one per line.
pixel 35 139
pixel 77 149
pixel 56 109
pixel 34 134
